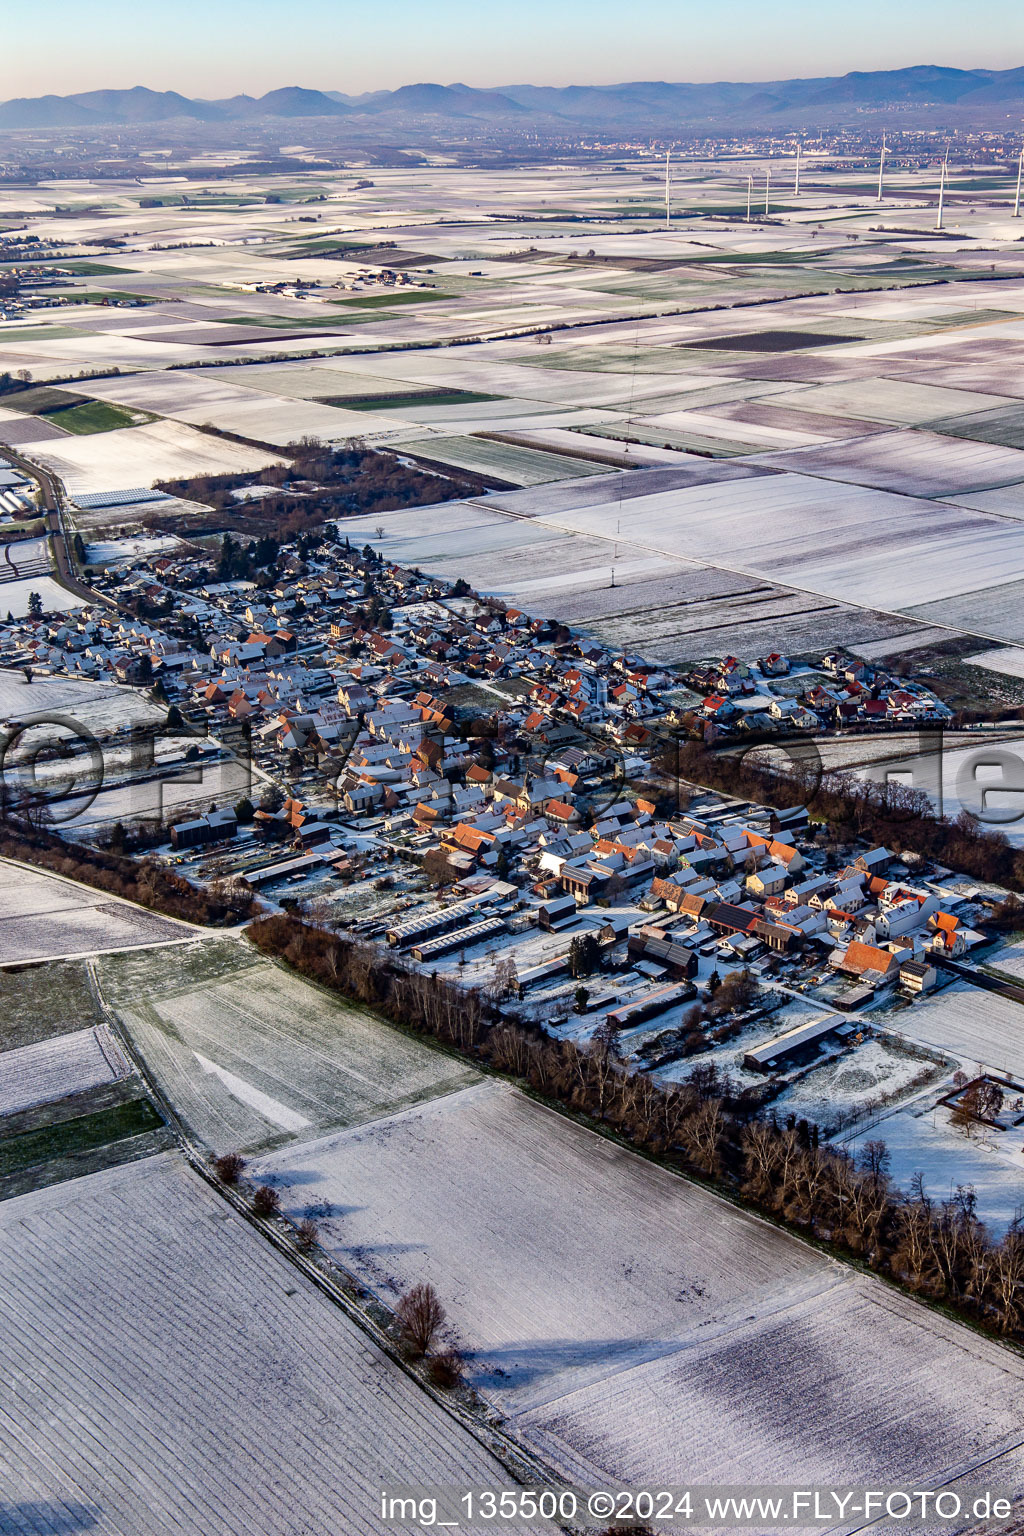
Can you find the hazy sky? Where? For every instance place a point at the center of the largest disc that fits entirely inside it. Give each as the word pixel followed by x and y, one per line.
pixel 220 47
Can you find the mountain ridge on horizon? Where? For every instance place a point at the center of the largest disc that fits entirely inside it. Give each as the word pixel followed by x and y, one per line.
pixel 629 104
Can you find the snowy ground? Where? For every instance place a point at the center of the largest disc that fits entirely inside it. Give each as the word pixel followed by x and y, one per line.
pixel 43 916
pixel 184 1377
pixel 252 1056
pixel 53 1069
pixel 921 1140
pixel 634 1326
pixel 976 1028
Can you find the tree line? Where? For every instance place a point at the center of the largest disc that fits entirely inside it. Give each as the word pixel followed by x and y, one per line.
pixel 144 881
pixel 703 1125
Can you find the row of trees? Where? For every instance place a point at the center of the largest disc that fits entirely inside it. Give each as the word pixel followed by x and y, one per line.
pixel 321 482
pixel 146 882
pixel 704 1124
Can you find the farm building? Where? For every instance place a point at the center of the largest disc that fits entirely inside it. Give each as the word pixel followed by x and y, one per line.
pixel 649 1005
pixel 773 1053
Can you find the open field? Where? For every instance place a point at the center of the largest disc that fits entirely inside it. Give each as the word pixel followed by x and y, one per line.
pixel 101 707
pixel 44 916
pixel 977 1028
pixel 39 1002
pixel 56 1068
pixel 635 1326
pixel 252 1056
pixel 185 1378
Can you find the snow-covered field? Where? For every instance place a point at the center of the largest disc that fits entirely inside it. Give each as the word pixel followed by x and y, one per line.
pixel 845 1385
pixel 976 1028
pixel 633 1325
pixel 43 916
pixel 134 456
pixel 15 596
pixel 101 707
pixel 873 1070
pixel 252 1056
pixel 165 1371
pixel 53 1069
pixel 920 1139
pixel 577 1258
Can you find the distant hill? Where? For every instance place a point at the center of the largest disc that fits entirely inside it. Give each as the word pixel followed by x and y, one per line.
pixel 293 101
pixel 925 91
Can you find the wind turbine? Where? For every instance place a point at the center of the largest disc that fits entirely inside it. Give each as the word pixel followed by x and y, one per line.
pixel 942 188
pixel 767 185
pixel 881 168
pixel 1020 171
pixel 668 193
pixel 750 193
pixel 796 180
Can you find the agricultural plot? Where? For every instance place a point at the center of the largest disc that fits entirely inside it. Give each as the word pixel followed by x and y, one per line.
pixel 978 1029
pixel 506 461
pixel 134 456
pixel 101 707
pixel 415 1194
pixel 252 1056
pixel 39 1002
pixel 185 1378
pixel 850 1385
pixel 913 463
pixel 634 1326
pixel 56 1068
pixel 195 400
pixel 44 916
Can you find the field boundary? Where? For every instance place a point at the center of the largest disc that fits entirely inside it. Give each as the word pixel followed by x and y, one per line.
pixel 341 1288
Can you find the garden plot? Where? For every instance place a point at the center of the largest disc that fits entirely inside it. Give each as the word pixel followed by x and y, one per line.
pixel 43 916
pixel 920 1139
pixel 134 456
pixel 252 1056
pixel 979 1029
pixel 875 1072
pixel 56 1068
pixel 167 1371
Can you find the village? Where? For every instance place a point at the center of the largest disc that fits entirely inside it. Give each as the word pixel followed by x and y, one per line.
pixel 485 793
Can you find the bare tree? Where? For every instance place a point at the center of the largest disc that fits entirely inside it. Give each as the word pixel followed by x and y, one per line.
pixel 505 982
pixel 266 1201
pixel 421 1315
pixel 307 1233
pixel 448 1368
pixel 229 1167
